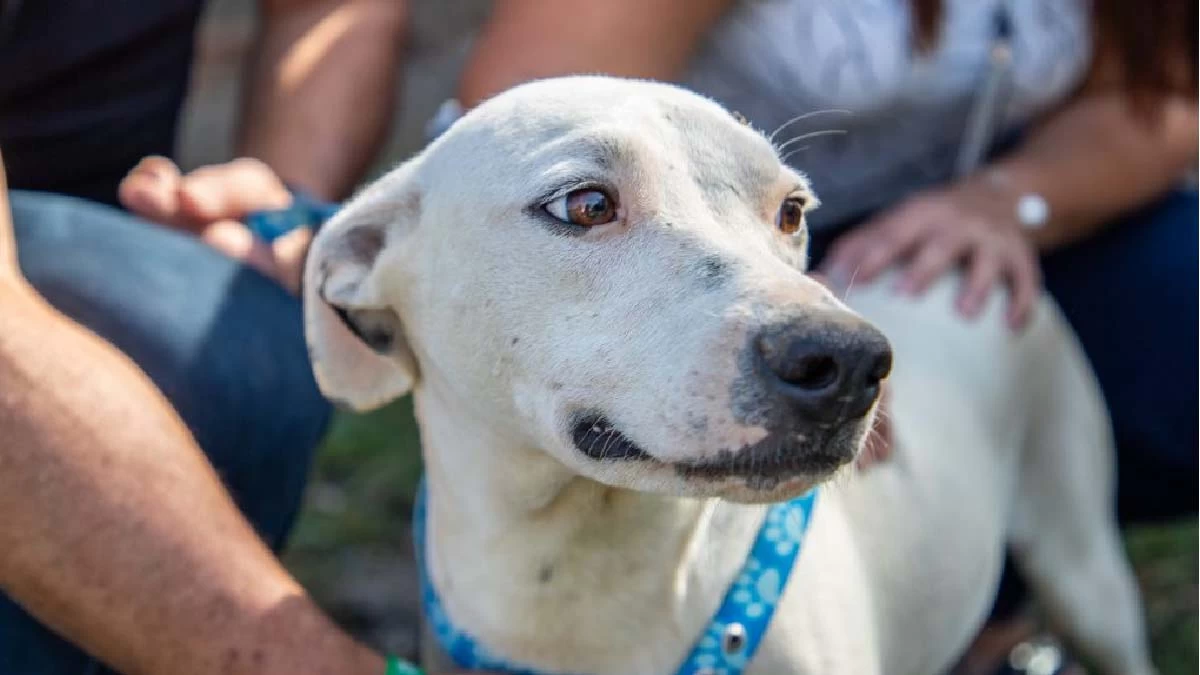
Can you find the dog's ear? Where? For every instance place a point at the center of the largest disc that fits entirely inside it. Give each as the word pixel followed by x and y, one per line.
pixel 356 341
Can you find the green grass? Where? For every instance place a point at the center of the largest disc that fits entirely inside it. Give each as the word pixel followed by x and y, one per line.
pixel 364 479
pixel 1166 562
pixel 369 465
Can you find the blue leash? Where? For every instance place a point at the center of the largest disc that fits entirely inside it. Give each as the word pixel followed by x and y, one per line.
pixel 732 637
pixel 304 211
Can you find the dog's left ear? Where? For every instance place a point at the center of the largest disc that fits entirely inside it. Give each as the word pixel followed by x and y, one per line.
pixel 356 341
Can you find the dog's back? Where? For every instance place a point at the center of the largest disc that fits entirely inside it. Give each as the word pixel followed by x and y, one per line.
pixel 1002 441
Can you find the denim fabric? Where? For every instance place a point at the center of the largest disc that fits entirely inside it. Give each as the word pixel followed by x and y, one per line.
pixel 223 343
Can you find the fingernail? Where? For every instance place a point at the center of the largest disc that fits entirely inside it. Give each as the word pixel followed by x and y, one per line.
pixel 157 174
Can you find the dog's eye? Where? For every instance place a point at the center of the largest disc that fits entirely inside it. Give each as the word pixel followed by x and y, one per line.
pixel 586 207
pixel 790 218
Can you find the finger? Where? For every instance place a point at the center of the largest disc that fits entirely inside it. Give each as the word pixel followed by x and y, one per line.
pixel 982 275
pixel 231 190
pixel 236 241
pixel 896 236
pixel 289 254
pixel 876 244
pixel 1026 282
pixel 150 190
pixel 893 245
pixel 844 257
pixel 935 256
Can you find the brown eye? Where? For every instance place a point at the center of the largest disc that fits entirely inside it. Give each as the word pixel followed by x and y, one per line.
pixel 586 207
pixel 790 218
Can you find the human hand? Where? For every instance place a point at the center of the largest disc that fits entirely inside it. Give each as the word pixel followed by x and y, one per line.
pixel 972 224
pixel 210 203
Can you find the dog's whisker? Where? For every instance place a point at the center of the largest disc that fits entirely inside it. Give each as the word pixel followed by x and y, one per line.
pixel 612 435
pixel 804 116
pixel 592 445
pixel 850 284
pixel 812 134
pixel 792 152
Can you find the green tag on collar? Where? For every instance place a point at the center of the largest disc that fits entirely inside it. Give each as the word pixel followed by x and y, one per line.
pixel 397 667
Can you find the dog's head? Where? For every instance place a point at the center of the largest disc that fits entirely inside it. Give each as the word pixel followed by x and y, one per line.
pixel 614 270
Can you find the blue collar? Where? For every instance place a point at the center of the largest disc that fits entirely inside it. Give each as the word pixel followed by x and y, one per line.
pixel 733 634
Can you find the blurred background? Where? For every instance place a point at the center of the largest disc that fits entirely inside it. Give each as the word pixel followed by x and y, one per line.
pixel 352 547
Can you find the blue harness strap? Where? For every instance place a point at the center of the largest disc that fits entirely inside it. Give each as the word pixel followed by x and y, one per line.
pixel 732 637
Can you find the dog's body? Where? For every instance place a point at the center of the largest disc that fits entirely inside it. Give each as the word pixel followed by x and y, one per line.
pixel 528 342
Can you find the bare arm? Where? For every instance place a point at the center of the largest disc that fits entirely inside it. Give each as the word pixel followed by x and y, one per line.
pixel 321 89
pixel 530 39
pixel 1094 160
pixel 116 531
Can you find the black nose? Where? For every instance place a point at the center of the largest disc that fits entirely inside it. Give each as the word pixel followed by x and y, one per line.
pixel 828 368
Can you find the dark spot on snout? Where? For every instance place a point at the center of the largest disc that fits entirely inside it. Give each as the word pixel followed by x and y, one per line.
pixel 545 574
pixel 514 341
pixel 596 437
pixel 713 272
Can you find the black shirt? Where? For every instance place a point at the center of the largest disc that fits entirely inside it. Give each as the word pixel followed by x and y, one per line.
pixel 89 87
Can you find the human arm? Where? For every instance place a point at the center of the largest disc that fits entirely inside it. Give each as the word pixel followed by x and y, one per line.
pixel 529 39
pixel 318 96
pixel 1096 159
pixel 320 89
pixel 1092 160
pixel 117 532
pixel 523 39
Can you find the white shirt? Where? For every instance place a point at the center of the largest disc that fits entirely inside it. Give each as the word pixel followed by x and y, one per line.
pixel 774 59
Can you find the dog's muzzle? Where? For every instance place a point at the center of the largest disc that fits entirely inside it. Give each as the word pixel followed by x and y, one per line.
pixel 809 383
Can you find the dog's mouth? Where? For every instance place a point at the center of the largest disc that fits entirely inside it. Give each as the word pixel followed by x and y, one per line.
pixel 775 459
pixel 597 438
pixel 766 464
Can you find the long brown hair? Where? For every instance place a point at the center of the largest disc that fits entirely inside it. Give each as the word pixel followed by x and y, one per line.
pixel 1151 44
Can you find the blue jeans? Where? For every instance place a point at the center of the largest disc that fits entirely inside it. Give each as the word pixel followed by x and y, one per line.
pixel 223 343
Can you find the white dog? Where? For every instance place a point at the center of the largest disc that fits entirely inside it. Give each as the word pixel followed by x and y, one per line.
pixel 595 290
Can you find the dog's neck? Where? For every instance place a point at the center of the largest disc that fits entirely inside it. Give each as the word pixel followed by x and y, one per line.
pixel 585 567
